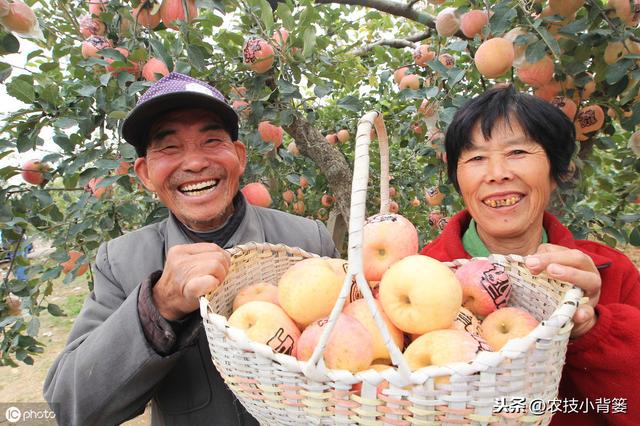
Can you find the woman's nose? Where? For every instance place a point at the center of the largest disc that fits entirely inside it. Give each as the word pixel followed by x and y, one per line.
pixel 498 170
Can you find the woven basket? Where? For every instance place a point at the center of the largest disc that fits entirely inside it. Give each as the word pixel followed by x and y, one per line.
pixel 278 389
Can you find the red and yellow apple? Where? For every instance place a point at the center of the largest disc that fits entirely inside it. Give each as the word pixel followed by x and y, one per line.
pixel 68 265
pixel 267 323
pixel 32 172
pixel 441 347
pixel 308 290
pixel 387 238
pixel 349 347
pixel 257 194
pixel 485 286
pixel 505 324
pixel 258 291
pixel 359 310
pixel 420 294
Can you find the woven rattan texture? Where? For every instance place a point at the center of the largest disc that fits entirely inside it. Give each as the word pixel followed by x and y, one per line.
pixel 275 391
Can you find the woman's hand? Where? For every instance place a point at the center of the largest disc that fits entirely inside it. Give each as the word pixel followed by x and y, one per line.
pixel 575 267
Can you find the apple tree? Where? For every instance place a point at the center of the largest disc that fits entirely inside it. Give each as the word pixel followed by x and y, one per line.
pixel 300 74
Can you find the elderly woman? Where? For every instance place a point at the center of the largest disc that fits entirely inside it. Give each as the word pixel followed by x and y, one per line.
pixel 506 154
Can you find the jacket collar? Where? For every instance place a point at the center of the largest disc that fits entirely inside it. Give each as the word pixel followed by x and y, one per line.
pixel 250 229
pixel 448 245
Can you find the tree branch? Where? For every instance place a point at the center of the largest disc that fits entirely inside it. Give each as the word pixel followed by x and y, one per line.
pixel 394 42
pixel 392 7
pixel 331 161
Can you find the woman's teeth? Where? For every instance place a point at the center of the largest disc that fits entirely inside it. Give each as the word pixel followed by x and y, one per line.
pixel 500 203
pixel 199 188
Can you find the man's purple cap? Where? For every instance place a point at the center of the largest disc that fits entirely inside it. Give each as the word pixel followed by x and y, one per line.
pixel 173 92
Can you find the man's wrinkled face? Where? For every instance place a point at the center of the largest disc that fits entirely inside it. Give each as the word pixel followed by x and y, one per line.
pixel 193 166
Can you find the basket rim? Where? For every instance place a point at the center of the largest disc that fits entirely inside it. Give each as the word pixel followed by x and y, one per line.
pixel 558 322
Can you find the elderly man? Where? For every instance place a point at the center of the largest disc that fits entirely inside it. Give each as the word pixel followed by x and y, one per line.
pixel 139 335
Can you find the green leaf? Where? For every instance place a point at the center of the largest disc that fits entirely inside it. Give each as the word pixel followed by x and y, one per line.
pixel 34 327
pixel 87 91
pixel 196 57
pixel 309 41
pixel 117 115
pixel 5 71
pixel 550 40
pixel 535 51
pixel 49 66
pixel 65 123
pixel 21 90
pixel 266 14
pixel 350 103
pixel 284 13
pixel 618 70
pixel 9 44
pixel 55 310
pixel 575 27
pixel 287 88
pixel 321 90
pixel 634 238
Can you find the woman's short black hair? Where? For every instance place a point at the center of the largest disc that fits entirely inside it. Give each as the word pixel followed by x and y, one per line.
pixel 541 121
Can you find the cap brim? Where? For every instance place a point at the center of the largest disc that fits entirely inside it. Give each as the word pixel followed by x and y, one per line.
pixel 135 126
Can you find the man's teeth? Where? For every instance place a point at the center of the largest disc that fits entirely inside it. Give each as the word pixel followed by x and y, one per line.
pixel 199 188
pixel 505 202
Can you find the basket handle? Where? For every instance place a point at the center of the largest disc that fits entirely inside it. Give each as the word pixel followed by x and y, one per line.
pixel 315 367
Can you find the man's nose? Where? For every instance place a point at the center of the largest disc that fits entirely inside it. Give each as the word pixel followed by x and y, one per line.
pixel 194 160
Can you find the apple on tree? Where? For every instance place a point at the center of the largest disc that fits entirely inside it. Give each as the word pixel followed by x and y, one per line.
pixel 257 194
pixel 32 172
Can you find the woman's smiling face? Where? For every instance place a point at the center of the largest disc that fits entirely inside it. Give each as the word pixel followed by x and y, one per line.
pixel 505 182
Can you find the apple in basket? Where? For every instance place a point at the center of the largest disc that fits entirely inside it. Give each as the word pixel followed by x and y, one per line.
pixel 505 324
pixel 340 267
pixel 440 347
pixel 349 347
pixel 267 323
pixel 420 294
pixel 309 289
pixel 360 311
pixel 257 291
pixel 464 321
pixel 485 286
pixel 386 239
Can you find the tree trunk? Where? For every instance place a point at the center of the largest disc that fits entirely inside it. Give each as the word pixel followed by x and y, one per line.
pixel 328 158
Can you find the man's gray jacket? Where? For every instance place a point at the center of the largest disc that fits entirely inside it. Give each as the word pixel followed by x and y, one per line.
pixel 108 371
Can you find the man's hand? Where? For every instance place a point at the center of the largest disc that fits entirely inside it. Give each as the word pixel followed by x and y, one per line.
pixel 575 267
pixel 191 270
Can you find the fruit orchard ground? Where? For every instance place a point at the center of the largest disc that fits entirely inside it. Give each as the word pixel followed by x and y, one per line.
pixel 24 383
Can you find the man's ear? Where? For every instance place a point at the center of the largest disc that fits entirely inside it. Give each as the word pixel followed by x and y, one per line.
pixel 241 151
pixel 142 170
